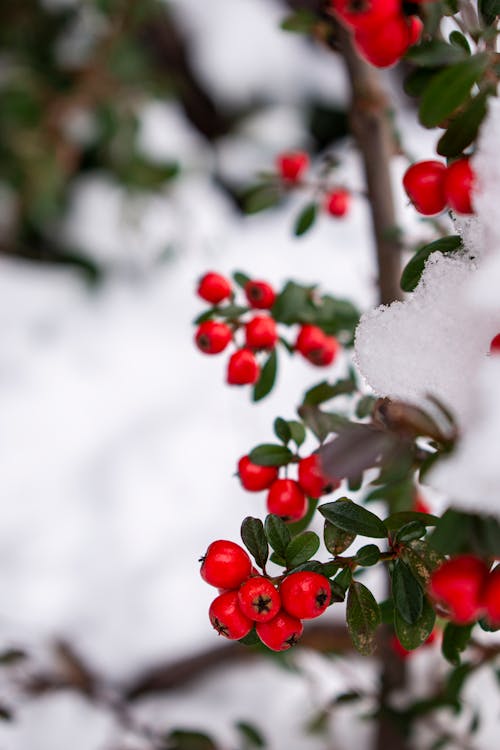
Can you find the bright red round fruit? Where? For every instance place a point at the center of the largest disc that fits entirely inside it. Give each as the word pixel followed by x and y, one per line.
pixel 312 480
pixel 366 15
pixel 305 594
pixel 492 597
pixel 260 295
pixel 255 478
pixel 212 337
pixel 287 500
pixel 318 348
pixel 415 27
pixel 292 165
pixel 458 186
pixel 261 332
pixel 338 202
pixel 280 633
pixel 258 599
pixel 225 565
pixel 495 344
pixel 242 368
pixel 459 585
pixel 214 288
pixel 424 184
pixel 227 618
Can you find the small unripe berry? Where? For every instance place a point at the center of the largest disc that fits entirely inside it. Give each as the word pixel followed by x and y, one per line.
pixel 255 478
pixel 292 165
pixel 287 500
pixel 261 332
pixel 225 565
pixel 338 202
pixel 305 594
pixel 242 368
pixel 258 599
pixel 458 185
pixel 227 618
pixel 212 337
pixel 280 633
pixel 214 288
pixel 318 348
pixel 260 295
pixel 424 184
pixel 495 344
pixel 459 584
pixel 366 15
pixel 312 480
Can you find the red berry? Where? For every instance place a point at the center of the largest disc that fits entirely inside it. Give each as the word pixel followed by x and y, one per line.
pixel 255 478
pixel 312 480
pixel 495 344
pixel 492 597
pixel 287 500
pixel 225 565
pixel 318 348
pixel 292 165
pixel 420 506
pixel 458 185
pixel 386 44
pixel 261 332
pixel 227 617
pixel 416 26
pixel 424 184
pixel 258 599
pixel 280 633
pixel 366 15
pixel 212 337
pixel 305 594
pixel 337 203
pixel 260 295
pixel 214 288
pixel 458 585
pixel 242 368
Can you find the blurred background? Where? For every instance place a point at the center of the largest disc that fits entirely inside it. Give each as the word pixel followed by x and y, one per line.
pixel 130 136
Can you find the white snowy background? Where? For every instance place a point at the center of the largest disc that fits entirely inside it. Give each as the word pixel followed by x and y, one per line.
pixel 119 441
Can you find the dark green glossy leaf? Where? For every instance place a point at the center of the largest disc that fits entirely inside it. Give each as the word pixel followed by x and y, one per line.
pixel 337 540
pixel 407 593
pixel 301 548
pixel 417 81
pixel 254 539
pixel 180 739
pixel 368 555
pixel 353 518
pixel 455 640
pixel 413 269
pixel 363 617
pixel 397 520
pixel 459 40
pixel 450 88
pixel 463 129
pixel 261 197
pixel 298 526
pixel 364 406
pixel 410 531
pixel 489 10
pixel 252 736
pixel 267 378
pixel 435 53
pixel 422 559
pixel 269 454
pixel 344 579
pixel 278 534
pixel 292 304
pixel 297 431
pixel 305 219
pixel 412 636
pixel 325 391
pixel 282 430
pixel 241 279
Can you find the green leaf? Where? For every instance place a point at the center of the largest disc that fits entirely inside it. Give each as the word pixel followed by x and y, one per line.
pixel 417 81
pixel 387 611
pixel 261 197
pixel 267 378
pixel 337 540
pixel 397 520
pixel 254 539
pixel 297 431
pixel 422 559
pixel 368 555
pixel 459 40
pixel 301 548
pixel 251 735
pixel 410 531
pixel 363 617
pixel 435 53
pixel 292 304
pixel 489 10
pixel 251 639
pixel 325 391
pixel 413 269
pixel 344 579
pixel 407 594
pixel 455 640
pixel 298 526
pixel 282 430
pixel 464 127
pixel 180 739
pixel 231 311
pixel 305 219
pixel 353 518
pixel 364 407
pixel 456 680
pixel 277 533
pixel 269 454
pixel 241 279
pixel 449 89
pixel 300 22
pixel 412 636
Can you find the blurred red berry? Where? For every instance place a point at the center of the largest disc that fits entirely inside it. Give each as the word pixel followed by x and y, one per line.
pixel 338 202
pixel 261 332
pixel 420 506
pixel 458 185
pixel 212 337
pixel 260 295
pixel 492 597
pixel 214 288
pixel 258 599
pixel 243 368
pixel 227 618
pixel 318 348
pixel 280 633
pixel 292 165
pixel 225 565
pixel 312 480
pixel 459 585
pixel 366 15
pixel 495 344
pixel 255 478
pixel 287 500
pixel 424 184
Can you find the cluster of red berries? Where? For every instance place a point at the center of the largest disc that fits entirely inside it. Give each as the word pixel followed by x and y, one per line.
pixel 260 332
pixel 382 32
pixel 287 498
pixel 247 599
pixel 432 186
pixel 292 167
pixel 467 590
